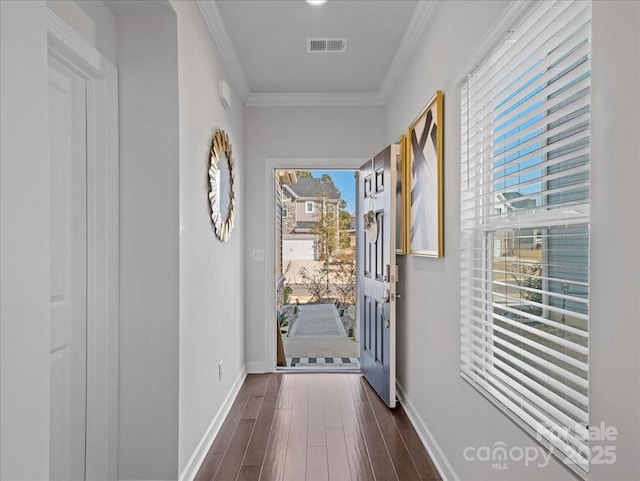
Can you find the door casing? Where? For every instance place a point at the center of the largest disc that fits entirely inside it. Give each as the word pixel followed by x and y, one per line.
pixel 69 48
pixel 271 164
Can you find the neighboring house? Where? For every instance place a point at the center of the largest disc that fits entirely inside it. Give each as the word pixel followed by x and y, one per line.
pixel 508 202
pixel 304 204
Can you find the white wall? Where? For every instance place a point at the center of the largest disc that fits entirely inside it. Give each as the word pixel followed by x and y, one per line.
pixel 211 272
pixel 149 245
pixel 614 330
pixel 24 177
pixel 304 134
pixel 428 326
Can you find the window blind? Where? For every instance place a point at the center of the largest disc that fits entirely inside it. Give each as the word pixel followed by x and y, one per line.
pixel 525 226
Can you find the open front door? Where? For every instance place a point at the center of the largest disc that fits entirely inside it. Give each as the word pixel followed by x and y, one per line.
pixel 379 274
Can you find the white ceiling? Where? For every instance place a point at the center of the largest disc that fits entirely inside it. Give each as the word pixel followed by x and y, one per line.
pixel 135 7
pixel 263 42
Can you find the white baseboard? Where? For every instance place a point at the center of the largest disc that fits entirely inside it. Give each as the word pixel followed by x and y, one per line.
pixel 191 469
pixel 256 368
pixel 442 464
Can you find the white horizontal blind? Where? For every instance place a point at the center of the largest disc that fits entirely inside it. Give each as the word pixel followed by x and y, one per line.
pixel 525 226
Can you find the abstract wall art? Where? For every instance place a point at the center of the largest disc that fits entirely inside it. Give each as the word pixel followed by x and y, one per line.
pixel 425 181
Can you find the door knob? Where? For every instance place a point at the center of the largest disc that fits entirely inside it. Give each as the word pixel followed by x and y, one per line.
pixel 383 301
pixel 387 296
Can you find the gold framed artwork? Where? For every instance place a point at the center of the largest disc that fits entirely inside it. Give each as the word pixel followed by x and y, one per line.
pixel 424 175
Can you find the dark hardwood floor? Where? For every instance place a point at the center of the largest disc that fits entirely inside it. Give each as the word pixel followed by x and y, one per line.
pixel 312 427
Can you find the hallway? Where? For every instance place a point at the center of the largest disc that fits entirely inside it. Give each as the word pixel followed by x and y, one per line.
pixel 313 426
pixel 520 331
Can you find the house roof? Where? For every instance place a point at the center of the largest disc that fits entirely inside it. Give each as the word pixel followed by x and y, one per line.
pixel 310 187
pixel 511 195
pixel 511 200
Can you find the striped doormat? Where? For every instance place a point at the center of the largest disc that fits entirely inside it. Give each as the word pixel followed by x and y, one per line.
pixel 324 362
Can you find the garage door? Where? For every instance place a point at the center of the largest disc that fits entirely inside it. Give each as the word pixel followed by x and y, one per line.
pixel 303 249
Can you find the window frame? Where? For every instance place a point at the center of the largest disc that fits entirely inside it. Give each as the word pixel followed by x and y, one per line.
pixel 308 210
pixel 477 255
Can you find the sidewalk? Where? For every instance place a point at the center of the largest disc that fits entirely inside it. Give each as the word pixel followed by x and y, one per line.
pixel 317 339
pixel 317 320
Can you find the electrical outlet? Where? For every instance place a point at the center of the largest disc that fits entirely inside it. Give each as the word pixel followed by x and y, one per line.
pixel 220 364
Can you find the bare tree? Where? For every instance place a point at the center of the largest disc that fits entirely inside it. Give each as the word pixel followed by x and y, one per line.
pixel 327 229
pixel 317 282
pixel 530 278
pixel 345 277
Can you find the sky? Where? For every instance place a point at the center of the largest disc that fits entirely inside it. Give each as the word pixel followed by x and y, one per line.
pixel 345 181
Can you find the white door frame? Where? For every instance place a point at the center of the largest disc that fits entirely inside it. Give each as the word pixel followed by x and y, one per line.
pixel 68 47
pixel 270 166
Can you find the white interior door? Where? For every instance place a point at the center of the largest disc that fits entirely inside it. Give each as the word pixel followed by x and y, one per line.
pixel 377 304
pixel 68 244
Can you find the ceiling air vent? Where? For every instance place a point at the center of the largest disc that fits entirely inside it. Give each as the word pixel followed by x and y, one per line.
pixel 334 45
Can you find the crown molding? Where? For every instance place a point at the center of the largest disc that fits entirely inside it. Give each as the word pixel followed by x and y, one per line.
pixel 337 99
pixel 213 20
pixel 412 35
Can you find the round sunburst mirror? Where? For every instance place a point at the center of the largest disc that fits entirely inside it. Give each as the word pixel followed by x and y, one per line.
pixel 221 188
